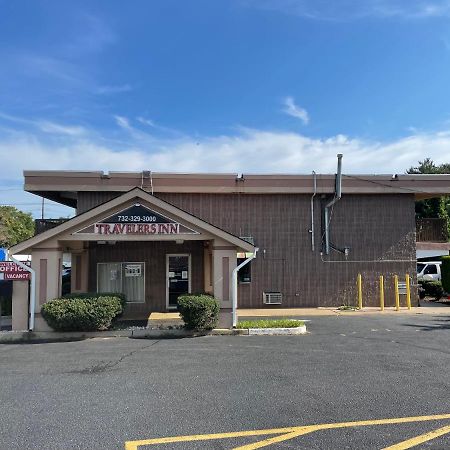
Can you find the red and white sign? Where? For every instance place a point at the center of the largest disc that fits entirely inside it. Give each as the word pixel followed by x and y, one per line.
pixel 12 271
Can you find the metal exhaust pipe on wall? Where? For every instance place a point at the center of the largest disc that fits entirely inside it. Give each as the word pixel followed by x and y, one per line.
pixel 337 197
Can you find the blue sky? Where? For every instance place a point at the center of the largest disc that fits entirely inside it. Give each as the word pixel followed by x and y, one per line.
pixel 237 85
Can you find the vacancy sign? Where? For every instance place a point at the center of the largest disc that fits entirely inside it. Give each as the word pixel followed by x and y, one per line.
pixel 12 271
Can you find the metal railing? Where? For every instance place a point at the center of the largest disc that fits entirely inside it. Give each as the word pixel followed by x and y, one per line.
pixel 431 230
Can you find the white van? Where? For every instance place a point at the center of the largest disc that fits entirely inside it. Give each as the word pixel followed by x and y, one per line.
pixel 429 271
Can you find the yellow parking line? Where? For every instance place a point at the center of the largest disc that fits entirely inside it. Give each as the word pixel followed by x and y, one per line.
pixel 294 431
pixel 133 445
pixel 276 439
pixel 420 439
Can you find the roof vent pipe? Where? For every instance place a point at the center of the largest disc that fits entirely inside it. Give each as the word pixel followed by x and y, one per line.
pixel 337 197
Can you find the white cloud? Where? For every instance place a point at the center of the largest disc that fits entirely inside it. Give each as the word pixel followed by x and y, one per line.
pixel 123 122
pixel 55 128
pixel 294 110
pixel 46 126
pixel 144 121
pixel 245 151
pixel 357 9
pixel 250 151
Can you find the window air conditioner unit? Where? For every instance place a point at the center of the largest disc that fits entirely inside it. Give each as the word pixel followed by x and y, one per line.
pixel 272 298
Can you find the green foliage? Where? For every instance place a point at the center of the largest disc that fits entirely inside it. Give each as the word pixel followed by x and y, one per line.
pixel 81 314
pixel 15 226
pixel 199 311
pixel 119 295
pixel 433 207
pixel 271 323
pixel 433 289
pixel 445 273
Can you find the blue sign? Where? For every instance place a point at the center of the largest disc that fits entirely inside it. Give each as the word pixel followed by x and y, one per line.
pixel 2 254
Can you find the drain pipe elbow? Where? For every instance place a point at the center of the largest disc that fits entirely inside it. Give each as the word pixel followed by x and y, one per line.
pixel 234 285
pixel 337 197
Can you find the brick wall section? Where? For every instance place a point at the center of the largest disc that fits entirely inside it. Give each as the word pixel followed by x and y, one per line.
pixel 373 226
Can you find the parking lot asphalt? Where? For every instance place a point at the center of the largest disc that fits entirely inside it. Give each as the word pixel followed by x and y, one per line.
pixel 104 393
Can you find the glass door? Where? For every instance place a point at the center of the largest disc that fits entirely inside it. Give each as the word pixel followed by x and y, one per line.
pixel 178 278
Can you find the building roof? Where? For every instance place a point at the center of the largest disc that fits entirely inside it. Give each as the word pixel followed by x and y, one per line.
pixel 63 186
pixel 77 228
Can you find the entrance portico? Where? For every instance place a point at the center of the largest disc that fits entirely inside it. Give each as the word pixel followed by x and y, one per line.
pixel 139 245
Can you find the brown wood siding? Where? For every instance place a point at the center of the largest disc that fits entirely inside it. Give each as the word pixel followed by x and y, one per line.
pixel 154 256
pixel 373 226
pixel 88 200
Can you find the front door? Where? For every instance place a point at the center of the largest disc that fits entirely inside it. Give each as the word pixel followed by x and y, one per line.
pixel 178 278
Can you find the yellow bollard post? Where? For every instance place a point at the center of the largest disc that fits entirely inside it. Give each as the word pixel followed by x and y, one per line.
pixel 359 283
pixel 397 296
pixel 408 291
pixel 381 292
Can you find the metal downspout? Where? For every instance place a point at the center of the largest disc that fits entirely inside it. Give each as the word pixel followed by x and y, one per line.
pixel 312 210
pixel 337 197
pixel 234 285
pixel 32 291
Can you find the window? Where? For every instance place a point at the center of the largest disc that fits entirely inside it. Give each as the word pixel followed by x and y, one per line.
pixel 430 270
pixel 127 278
pixel 420 267
pixel 245 273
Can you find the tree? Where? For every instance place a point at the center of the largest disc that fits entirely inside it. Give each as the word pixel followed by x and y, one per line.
pixel 15 226
pixel 432 207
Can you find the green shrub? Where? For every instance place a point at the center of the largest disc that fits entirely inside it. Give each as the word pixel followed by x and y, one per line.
pixel 199 311
pixel 433 289
pixel 119 295
pixel 445 273
pixel 81 314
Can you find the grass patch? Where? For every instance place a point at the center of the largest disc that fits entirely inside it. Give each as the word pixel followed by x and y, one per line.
pixel 271 323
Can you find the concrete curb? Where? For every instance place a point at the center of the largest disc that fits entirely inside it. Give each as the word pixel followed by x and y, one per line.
pixel 30 336
pixel 9 337
pixel 155 334
pixel 277 331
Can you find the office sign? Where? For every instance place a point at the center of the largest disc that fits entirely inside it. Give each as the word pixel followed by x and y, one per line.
pixel 12 271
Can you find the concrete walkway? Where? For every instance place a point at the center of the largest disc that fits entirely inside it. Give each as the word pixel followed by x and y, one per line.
pixel 433 308
pixel 425 308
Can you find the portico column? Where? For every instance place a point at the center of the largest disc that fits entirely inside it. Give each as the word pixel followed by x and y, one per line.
pixel 224 258
pixel 47 262
pixel 20 305
pixel 79 271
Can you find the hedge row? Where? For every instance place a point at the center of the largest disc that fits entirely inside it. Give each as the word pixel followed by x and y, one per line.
pixel 445 273
pixel 198 311
pixel 432 289
pixel 94 312
pixel 119 295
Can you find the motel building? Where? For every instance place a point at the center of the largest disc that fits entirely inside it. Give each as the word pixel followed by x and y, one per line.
pixel 153 236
